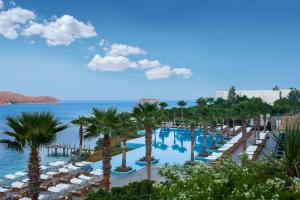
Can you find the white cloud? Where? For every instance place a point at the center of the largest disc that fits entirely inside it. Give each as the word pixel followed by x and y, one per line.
pixel 61 31
pixel 185 72
pixel 110 63
pixel 1 4
pixel 145 63
pixel 12 20
pixel 125 50
pixel 159 73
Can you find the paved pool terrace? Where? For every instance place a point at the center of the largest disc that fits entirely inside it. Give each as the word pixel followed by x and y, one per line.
pixel 170 146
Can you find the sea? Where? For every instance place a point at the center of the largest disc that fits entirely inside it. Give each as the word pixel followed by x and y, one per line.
pixel 66 111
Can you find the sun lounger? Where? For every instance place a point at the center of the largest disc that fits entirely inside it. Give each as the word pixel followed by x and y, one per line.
pixel 97 172
pixel 18 185
pixel 63 170
pixel 41 197
pixel 11 176
pixel 83 177
pixel 20 173
pixel 25 180
pixel 3 190
pixel 76 181
pixel 44 177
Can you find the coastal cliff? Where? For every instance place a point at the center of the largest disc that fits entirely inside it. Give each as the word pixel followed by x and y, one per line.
pixel 14 98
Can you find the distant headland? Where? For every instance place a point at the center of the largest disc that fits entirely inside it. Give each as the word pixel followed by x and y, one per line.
pixel 14 98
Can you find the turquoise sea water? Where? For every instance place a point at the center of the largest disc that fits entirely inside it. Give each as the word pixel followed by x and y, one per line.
pixel 11 161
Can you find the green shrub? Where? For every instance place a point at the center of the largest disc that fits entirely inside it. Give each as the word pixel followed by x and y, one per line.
pixel 143 190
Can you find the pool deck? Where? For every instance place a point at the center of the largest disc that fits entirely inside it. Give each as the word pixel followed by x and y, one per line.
pixel 117 181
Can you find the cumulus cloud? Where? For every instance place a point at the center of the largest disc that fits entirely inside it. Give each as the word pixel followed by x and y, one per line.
pixel 116 60
pixel 185 72
pixel 61 31
pixel 1 4
pixel 12 20
pixel 159 73
pixel 124 50
pixel 145 63
pixel 110 63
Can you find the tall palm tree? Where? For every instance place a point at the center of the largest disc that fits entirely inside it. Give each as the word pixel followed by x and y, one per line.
pixel 32 131
pixel 205 117
pixel 81 121
pixel 243 111
pixel 127 127
pixel 181 104
pixel 105 123
pixel 146 115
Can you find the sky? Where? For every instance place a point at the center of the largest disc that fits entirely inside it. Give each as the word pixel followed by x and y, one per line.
pixel 130 49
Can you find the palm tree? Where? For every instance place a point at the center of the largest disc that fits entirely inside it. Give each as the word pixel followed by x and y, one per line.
pixel 146 115
pixel 32 131
pixel 205 117
pixel 81 121
pixel 127 127
pixel 105 123
pixel 181 104
pixel 243 111
pixel 163 105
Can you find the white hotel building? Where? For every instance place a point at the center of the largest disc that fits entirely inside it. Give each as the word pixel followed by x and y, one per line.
pixel 269 96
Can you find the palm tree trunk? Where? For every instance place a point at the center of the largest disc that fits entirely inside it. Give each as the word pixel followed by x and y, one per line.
pixel 124 154
pixel 148 150
pixel 34 174
pixel 255 128
pixel 181 114
pixel 265 122
pixel 106 161
pixel 192 142
pixel 244 133
pixel 204 153
pixel 80 139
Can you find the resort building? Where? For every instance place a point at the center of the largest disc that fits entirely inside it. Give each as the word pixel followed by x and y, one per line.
pixel 269 96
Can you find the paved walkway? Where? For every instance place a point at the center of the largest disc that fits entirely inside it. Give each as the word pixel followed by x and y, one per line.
pixel 139 175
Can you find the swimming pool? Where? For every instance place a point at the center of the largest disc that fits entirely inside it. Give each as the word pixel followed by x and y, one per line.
pixel 170 146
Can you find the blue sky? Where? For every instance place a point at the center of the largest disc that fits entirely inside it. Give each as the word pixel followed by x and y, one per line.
pixel 170 49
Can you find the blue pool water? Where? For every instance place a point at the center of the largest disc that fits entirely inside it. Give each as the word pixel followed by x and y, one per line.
pixel 11 161
pixel 169 146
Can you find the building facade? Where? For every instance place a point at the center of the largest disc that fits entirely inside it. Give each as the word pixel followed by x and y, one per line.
pixel 269 96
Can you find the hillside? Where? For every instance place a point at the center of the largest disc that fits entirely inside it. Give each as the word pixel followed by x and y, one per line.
pixel 14 98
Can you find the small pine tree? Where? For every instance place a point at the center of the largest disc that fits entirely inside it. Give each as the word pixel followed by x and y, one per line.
pixel 231 94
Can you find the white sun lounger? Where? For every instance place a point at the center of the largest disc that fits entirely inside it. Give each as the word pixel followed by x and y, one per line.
pixel 41 197
pixel 20 173
pixel 97 172
pixel 44 177
pixel 10 176
pixel 76 181
pixel 83 177
pixel 3 190
pixel 18 185
pixel 63 170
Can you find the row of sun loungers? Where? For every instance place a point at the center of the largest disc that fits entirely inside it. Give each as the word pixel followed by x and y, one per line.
pixel 55 169
pixel 252 149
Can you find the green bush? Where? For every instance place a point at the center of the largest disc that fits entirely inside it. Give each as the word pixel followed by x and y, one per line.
pixel 143 190
pixel 263 180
